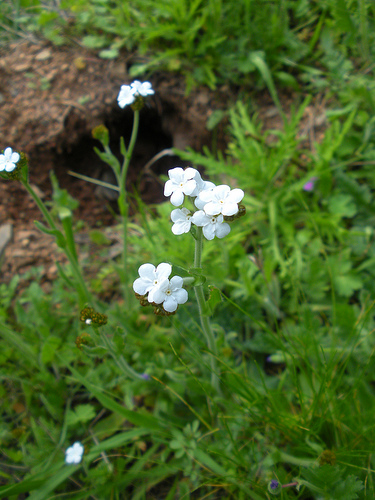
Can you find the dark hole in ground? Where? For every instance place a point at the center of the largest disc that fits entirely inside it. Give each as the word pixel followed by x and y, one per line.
pixel 151 157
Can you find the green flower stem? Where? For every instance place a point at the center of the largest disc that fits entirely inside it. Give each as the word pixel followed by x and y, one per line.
pixel 122 202
pixel 83 292
pixel 119 360
pixel 205 322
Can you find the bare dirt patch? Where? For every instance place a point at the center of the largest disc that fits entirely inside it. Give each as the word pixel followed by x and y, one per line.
pixel 50 100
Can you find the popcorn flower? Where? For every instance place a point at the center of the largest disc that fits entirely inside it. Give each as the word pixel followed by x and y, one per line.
pixel 182 220
pixel 213 225
pixel 170 294
pixel 150 278
pixel 129 93
pixel 181 182
pixel 220 200
pixel 154 282
pixel 8 160
pixel 73 454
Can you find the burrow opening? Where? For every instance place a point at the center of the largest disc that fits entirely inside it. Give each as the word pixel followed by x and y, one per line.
pixel 151 157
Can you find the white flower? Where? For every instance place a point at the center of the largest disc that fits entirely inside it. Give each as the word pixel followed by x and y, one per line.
pixel 182 220
pixel 129 93
pixel 220 200
pixel 213 225
pixel 8 160
pixel 150 278
pixel 170 294
pixel 144 89
pixel 180 182
pixel 73 455
pixel 88 321
pixel 126 96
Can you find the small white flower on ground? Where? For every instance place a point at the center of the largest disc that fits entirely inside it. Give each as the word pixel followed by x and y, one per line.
pixel 220 200
pixel 8 160
pixel 212 225
pixel 170 294
pixel 144 89
pixel 180 182
pixel 182 220
pixel 150 278
pixel 126 96
pixel 88 321
pixel 73 455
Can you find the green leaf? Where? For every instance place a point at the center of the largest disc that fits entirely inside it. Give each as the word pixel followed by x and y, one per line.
pixel 136 418
pixel 49 349
pixel 81 414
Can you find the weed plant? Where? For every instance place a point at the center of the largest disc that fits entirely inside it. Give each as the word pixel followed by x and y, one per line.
pixel 281 404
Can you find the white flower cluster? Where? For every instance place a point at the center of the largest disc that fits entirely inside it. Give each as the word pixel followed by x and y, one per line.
pixel 73 454
pixel 8 160
pixel 213 203
pixel 155 282
pixel 129 93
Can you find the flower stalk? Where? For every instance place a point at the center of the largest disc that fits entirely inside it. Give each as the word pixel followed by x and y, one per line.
pixel 205 322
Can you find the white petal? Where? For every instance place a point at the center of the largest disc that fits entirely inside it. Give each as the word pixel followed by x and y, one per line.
pixel 169 187
pixel 179 214
pixel 229 209
pixel 141 286
pixel 156 295
pixel 209 231
pixel 147 271
pixel 181 296
pixel 163 270
pixel 170 304
pixel 222 230
pixel 190 173
pixel 181 227
pixel 235 196
pixel 8 153
pixel 176 174
pixel 176 282
pixel 15 157
pixel 189 187
pixel 221 192
pixel 213 208
pixel 10 167
pixel 177 198
pixel 200 218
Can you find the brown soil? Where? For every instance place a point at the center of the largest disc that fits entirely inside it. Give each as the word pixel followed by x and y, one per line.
pixel 51 99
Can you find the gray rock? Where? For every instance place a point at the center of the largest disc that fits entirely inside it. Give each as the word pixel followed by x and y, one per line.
pixel 6 236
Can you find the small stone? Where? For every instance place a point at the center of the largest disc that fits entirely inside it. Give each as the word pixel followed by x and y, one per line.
pixel 19 68
pixel 44 55
pixel 6 236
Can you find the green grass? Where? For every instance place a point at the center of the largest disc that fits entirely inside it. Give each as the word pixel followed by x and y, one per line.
pixel 292 286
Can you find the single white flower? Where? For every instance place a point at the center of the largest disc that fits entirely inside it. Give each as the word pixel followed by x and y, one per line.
pixel 88 321
pixel 182 220
pixel 170 294
pixel 180 182
pixel 150 278
pixel 221 200
pixel 213 225
pixel 8 160
pixel 73 455
pixel 144 89
pixel 126 96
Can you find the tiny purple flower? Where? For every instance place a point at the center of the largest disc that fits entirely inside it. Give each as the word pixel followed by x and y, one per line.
pixel 274 484
pixel 309 186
